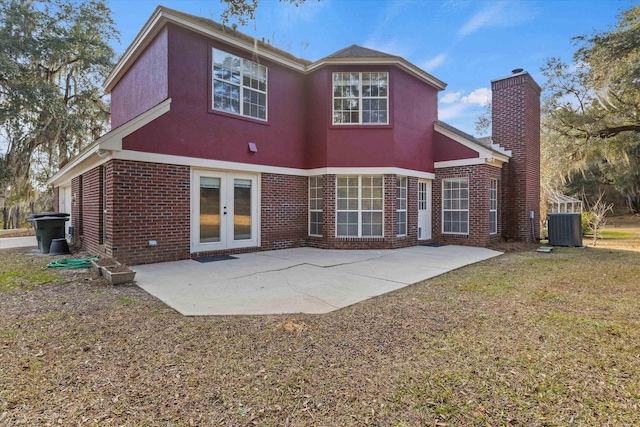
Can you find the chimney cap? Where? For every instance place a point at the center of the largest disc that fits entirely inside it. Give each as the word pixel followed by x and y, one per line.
pixel 517 71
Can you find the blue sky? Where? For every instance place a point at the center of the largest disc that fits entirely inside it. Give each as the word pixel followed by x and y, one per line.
pixel 462 42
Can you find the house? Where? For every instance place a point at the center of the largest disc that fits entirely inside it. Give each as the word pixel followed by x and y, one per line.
pixel 221 143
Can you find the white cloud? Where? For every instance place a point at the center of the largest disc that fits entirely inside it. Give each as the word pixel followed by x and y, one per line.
pixel 480 96
pixel 434 62
pixel 464 110
pixel 451 111
pixel 498 14
pixel 451 97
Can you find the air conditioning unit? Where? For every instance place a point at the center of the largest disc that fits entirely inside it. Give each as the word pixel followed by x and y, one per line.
pixel 565 229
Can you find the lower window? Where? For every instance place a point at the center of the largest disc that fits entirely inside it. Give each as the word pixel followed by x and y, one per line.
pixel 359 210
pixel 315 205
pixel 493 206
pixel 401 206
pixel 455 206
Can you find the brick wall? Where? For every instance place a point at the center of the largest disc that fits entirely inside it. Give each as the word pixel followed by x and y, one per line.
pixel 479 177
pixel 91 230
pixel 148 201
pixel 284 211
pixel 516 127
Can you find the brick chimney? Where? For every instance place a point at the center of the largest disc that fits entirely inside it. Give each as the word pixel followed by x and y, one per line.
pixel 516 127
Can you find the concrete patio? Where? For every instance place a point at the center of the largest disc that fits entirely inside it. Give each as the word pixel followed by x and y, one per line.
pixel 302 280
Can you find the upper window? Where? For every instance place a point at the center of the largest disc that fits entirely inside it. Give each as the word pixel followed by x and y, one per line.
pixel 493 206
pixel 455 206
pixel 239 85
pixel 360 98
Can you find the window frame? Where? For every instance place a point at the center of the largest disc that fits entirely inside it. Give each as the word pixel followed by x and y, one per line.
pixel 458 180
pixel 241 87
pixel 360 210
pixel 399 205
pixel 360 98
pixel 317 206
pixel 493 206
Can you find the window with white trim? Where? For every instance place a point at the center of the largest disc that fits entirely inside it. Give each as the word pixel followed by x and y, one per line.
pixel 361 98
pixel 401 206
pixel 493 206
pixel 359 206
pixel 455 206
pixel 239 85
pixel 315 205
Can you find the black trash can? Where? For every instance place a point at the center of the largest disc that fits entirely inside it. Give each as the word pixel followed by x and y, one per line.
pixel 49 226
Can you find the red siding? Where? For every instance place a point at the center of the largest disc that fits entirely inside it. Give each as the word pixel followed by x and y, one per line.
pixel 407 142
pixel 144 85
pixel 190 129
pixel 448 149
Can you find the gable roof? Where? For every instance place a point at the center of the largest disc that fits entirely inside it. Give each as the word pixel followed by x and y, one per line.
pixel 355 51
pixel 351 55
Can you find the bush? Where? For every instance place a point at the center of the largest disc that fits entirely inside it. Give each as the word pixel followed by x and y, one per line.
pixel 587 220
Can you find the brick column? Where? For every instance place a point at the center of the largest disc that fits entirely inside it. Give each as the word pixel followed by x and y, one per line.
pixel 516 127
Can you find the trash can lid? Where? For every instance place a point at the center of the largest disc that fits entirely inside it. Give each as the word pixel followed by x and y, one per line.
pixel 48 218
pixel 42 214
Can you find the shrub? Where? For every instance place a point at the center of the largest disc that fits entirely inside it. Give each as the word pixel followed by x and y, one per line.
pixel 587 219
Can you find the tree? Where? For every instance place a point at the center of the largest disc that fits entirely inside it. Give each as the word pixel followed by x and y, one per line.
pixel 54 56
pixel 597 209
pixel 591 109
pixel 244 10
pixel 598 97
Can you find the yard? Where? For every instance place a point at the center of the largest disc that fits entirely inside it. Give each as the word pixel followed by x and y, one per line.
pixel 527 339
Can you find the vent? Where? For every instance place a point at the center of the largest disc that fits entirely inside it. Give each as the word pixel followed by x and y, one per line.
pixel 565 229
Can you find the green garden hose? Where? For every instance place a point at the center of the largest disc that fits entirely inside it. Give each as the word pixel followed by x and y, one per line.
pixel 72 263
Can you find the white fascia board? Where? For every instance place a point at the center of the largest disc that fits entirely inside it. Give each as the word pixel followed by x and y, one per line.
pixel 200 163
pixel 469 162
pixel 99 150
pixel 252 48
pixel 396 60
pixel 155 24
pixel 484 153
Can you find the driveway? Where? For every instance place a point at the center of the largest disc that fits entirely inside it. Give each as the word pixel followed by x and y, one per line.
pixel 301 280
pixel 18 242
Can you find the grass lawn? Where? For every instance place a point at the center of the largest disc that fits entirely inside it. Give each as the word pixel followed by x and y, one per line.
pixel 527 339
pixel 620 232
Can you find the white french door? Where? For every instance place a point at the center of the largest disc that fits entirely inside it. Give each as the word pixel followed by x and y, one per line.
pixel 224 210
pixel 424 209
